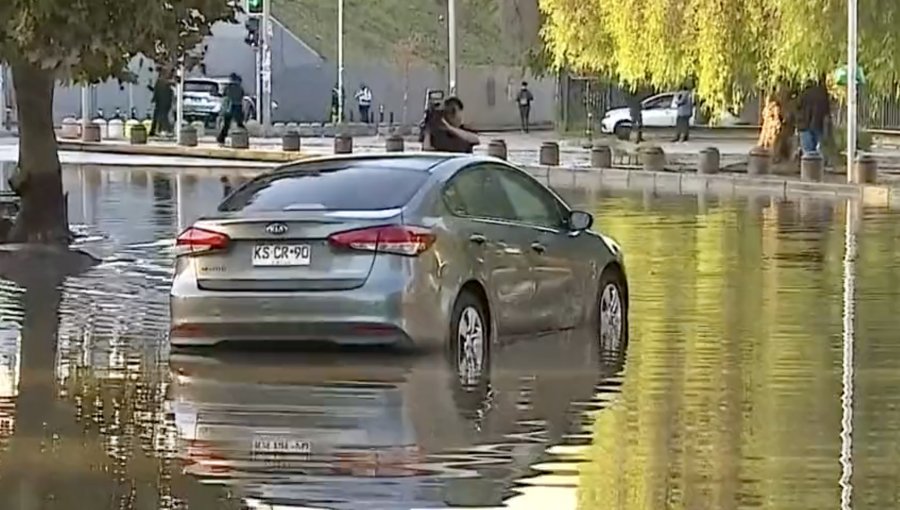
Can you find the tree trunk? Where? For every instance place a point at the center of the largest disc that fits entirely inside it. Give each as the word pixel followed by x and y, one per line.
pixel 38 181
pixel 777 133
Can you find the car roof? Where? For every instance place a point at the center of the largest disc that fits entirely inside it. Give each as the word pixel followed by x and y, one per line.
pixel 422 161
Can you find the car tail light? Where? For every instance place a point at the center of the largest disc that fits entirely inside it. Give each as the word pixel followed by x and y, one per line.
pixel 197 240
pixel 397 239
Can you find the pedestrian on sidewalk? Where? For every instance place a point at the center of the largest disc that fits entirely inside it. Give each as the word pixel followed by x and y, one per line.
pixel 162 106
pixel 364 102
pixel 636 112
pixel 232 107
pixel 524 99
pixel 813 116
pixel 685 110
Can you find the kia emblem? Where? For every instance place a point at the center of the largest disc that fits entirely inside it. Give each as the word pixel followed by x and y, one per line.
pixel 277 229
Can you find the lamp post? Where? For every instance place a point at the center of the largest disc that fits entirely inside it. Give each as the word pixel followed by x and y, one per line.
pixel 451 43
pixel 340 73
pixel 852 76
pixel 265 98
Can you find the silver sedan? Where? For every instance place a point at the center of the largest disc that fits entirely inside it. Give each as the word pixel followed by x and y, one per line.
pixel 444 250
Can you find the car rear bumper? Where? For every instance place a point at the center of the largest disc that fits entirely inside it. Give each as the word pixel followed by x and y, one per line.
pixel 391 311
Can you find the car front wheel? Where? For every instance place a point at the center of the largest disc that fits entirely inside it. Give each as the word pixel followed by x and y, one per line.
pixel 612 311
pixel 622 131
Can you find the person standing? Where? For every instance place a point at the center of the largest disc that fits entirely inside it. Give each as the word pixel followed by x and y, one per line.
pixel 524 99
pixel 813 115
pixel 636 112
pixel 364 102
pixel 685 110
pixel 232 107
pixel 162 106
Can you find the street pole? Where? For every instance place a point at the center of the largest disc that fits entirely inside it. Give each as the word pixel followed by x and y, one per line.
pixel 179 102
pixel 340 49
pixel 85 106
pixel 265 99
pixel 852 65
pixel 451 43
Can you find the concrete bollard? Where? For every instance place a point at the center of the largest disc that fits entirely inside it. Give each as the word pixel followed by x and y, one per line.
pixel 280 128
pixel 90 133
pixel 394 143
pixel 653 158
pixel 601 156
pixel 549 155
pixel 812 167
pixel 343 144
pixel 188 136
pixel 760 161
pixel 290 141
pixel 497 149
pixel 137 135
pixel 116 129
pixel 865 171
pixel 240 139
pixel 147 124
pixel 200 127
pixel 254 128
pixel 129 125
pixel 710 161
pixel 70 128
pixel 104 128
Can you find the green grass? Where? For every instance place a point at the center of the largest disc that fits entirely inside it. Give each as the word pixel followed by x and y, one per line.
pixel 373 28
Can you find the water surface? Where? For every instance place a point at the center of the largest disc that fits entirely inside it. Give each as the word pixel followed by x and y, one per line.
pixel 729 394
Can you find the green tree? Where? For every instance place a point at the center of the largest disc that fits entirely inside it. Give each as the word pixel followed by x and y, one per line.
pixel 82 41
pixel 727 49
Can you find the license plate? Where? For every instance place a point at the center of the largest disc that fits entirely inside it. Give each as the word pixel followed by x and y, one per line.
pixel 281 255
pixel 275 445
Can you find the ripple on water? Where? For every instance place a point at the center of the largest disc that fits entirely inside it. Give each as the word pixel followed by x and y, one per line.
pixel 729 397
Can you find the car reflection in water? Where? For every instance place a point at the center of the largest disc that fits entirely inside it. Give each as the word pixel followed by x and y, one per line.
pixel 380 430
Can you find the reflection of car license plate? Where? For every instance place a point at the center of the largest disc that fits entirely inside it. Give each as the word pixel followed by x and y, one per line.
pixel 269 445
pixel 281 255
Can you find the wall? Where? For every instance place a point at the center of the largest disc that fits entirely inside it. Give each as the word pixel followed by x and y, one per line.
pixel 302 81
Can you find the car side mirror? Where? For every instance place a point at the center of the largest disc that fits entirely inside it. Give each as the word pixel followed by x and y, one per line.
pixel 580 220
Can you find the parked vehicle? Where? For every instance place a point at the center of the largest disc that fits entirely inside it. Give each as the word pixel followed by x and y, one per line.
pixel 203 101
pixel 659 111
pixel 412 250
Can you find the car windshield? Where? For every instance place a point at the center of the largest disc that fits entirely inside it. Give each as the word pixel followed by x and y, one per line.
pixel 354 188
pixel 206 87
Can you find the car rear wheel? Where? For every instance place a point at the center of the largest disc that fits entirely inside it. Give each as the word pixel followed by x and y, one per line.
pixel 612 311
pixel 470 340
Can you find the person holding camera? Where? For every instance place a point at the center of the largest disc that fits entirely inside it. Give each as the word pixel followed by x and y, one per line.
pixel 445 131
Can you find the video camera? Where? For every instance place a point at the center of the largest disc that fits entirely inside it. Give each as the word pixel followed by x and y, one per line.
pixel 434 111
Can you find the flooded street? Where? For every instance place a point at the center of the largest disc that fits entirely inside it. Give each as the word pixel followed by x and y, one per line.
pixel 729 394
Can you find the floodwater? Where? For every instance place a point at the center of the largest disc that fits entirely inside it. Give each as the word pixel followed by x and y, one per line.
pixel 733 392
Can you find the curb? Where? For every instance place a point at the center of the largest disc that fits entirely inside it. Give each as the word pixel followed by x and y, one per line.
pixel 257 155
pixel 683 183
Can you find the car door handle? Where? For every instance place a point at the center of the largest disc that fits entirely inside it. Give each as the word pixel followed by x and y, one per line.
pixel 478 238
pixel 538 247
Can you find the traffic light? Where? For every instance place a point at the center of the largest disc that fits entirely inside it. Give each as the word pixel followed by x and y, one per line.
pixel 252 38
pixel 254 7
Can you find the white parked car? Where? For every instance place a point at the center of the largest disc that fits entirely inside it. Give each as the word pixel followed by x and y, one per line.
pixel 659 111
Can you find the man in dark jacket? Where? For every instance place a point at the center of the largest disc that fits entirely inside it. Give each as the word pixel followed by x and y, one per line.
pixel 524 99
pixel 636 112
pixel 162 106
pixel 813 115
pixel 233 107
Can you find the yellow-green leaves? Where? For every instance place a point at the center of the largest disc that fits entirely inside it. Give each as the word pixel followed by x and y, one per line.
pixel 725 48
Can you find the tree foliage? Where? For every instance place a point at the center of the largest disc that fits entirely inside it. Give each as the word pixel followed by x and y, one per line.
pixel 88 41
pixel 725 48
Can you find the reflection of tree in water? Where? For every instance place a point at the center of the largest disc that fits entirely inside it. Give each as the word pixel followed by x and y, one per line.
pixel 92 440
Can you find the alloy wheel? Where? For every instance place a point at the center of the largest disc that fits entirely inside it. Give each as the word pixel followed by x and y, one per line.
pixel 611 317
pixel 470 346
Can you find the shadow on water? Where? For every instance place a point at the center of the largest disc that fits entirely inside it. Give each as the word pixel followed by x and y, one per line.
pixel 730 397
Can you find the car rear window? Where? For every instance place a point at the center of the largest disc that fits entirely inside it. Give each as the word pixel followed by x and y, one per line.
pixel 357 188
pixel 208 87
